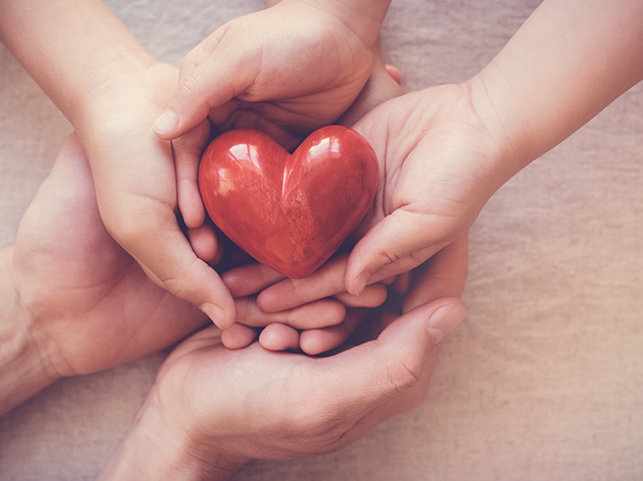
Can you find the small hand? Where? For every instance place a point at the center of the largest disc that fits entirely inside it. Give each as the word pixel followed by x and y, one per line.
pixel 136 182
pixel 438 166
pixel 286 70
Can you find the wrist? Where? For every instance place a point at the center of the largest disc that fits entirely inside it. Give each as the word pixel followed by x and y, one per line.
pixel 103 89
pixel 25 367
pixel 500 112
pixel 158 448
pixel 363 17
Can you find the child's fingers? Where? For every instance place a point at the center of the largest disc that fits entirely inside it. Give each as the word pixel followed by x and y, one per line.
pixel 250 279
pixel 399 240
pixel 187 151
pixel 209 77
pixel 373 296
pixel 204 243
pixel 319 314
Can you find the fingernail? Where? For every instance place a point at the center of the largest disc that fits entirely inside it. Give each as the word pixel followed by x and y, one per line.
pixel 215 313
pixel 360 283
pixel 445 320
pixel 167 122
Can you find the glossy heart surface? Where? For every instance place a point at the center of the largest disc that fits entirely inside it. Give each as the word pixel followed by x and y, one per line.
pixel 288 211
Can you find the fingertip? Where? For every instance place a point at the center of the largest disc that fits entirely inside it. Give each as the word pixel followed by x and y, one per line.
pixel 445 319
pixel 222 318
pixel 279 337
pixel 355 285
pixel 238 336
pixel 166 125
pixel 204 242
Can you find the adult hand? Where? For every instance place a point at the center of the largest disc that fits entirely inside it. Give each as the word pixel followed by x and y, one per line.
pixel 88 304
pixel 212 409
pixel 111 90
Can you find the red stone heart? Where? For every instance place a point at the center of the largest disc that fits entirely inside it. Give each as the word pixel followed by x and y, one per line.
pixel 290 212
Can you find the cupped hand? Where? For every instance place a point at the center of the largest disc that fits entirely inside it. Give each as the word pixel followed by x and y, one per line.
pixel 286 70
pixel 257 404
pixel 439 164
pixel 136 185
pixel 89 303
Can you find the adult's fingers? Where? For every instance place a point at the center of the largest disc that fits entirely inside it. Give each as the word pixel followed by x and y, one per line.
pixel 376 371
pixel 327 281
pixel 319 314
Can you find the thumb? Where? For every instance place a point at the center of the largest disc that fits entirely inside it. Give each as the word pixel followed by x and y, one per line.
pixel 381 370
pixel 398 243
pixel 210 76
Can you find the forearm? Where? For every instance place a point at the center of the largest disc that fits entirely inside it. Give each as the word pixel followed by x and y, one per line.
pixel 364 17
pixel 70 47
pixel 23 369
pixel 156 449
pixel 567 62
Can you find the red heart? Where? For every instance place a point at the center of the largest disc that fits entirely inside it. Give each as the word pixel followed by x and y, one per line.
pixel 290 212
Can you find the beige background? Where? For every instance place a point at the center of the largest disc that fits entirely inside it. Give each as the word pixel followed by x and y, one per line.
pixel 544 380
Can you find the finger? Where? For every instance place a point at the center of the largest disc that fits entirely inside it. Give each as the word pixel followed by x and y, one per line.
pixel 402 283
pixel 444 274
pixel 377 371
pixel 238 336
pixel 395 73
pixel 154 239
pixel 372 296
pixel 188 150
pixel 204 242
pixel 210 75
pixel 323 313
pixel 250 279
pixel 318 341
pixel 401 235
pixel 279 337
pixel 327 281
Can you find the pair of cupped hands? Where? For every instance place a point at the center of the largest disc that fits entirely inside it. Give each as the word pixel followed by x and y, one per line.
pixel 109 226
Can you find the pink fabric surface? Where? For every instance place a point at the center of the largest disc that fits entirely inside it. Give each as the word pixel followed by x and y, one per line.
pixel 544 380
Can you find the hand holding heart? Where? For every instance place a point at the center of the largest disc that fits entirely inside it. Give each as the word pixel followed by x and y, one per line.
pixel 439 164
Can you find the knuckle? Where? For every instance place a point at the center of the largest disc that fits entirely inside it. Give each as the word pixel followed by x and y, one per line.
pixel 404 374
pixel 321 430
pixel 190 85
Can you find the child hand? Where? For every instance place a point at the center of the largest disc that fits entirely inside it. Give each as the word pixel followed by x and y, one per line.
pixel 287 71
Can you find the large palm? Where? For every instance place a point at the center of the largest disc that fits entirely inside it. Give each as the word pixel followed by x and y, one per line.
pixel 87 298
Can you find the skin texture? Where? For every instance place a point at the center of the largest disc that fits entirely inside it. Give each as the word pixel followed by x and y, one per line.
pixel 445 150
pixel 67 285
pixel 212 409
